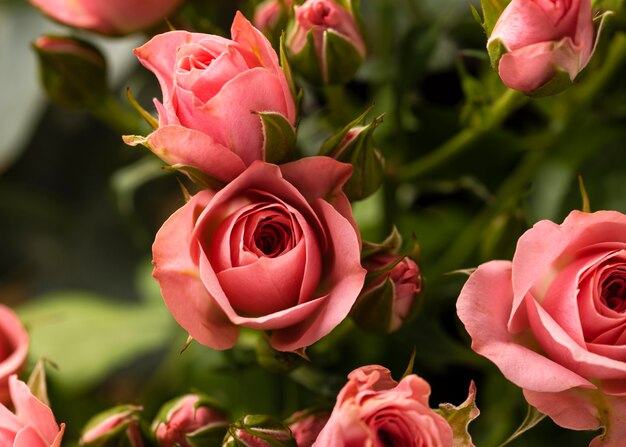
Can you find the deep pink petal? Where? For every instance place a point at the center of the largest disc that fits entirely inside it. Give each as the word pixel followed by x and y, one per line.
pixel 14 344
pixel 179 145
pixel 484 306
pixel 178 276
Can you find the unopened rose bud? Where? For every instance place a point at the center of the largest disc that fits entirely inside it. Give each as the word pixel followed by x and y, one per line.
pixel 259 431
pixel 354 144
pixel 114 427
pixel 325 42
pixel 306 425
pixel 393 281
pixel 72 71
pixel 270 16
pixel 539 47
pixel 189 421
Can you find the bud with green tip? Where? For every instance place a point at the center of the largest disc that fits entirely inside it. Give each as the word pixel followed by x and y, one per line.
pixel 354 144
pixel 324 41
pixel 393 282
pixel 190 421
pixel 72 71
pixel 118 426
pixel 259 431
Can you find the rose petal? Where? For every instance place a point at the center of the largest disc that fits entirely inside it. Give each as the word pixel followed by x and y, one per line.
pixel 183 291
pixel 570 409
pixel 28 437
pixel 484 306
pixel 31 412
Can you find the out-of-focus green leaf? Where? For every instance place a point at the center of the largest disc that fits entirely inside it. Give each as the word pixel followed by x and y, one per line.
pixel 88 335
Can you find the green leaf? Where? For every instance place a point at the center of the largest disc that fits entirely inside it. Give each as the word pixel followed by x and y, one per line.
pixel 279 137
pixel 88 336
pixel 460 417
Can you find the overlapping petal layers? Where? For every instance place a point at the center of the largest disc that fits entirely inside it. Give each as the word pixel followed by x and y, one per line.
pixel 276 249
pixel 553 320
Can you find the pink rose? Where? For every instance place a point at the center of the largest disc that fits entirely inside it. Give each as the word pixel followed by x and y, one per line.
pixel 553 320
pixel 542 38
pixel 116 425
pixel 268 13
pixel 373 410
pixel 32 424
pixel 276 249
pixel 13 349
pixel 111 17
pixel 305 427
pixel 186 417
pixel 213 89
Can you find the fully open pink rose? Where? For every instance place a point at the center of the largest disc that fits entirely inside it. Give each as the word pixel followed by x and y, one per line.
pixel 374 410
pixel 541 37
pixel 113 17
pixel 276 249
pixel 553 320
pixel 13 349
pixel 32 424
pixel 213 89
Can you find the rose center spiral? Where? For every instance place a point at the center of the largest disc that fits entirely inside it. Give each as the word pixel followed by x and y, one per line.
pixel 271 237
pixel 319 14
pixel 614 290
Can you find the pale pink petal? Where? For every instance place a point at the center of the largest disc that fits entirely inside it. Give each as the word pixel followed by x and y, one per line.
pixel 8 421
pixel 484 306
pixel 571 409
pixel 178 276
pixel 31 412
pixel 29 437
pixel 179 145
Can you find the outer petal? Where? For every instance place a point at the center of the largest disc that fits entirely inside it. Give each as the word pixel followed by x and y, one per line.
pixel 179 145
pixel 484 306
pixel 28 437
pixel 345 277
pixel 15 340
pixel 31 412
pixel 571 409
pixel 183 291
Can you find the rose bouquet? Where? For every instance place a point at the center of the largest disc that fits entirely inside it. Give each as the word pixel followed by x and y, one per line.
pixel 316 222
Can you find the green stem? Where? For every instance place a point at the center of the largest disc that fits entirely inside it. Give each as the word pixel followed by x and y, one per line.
pixel 509 102
pixel 121 119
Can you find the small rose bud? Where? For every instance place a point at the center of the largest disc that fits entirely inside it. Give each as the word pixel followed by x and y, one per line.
pixel 72 71
pixel 539 47
pixel 393 281
pixel 324 41
pixel 270 16
pixel 306 425
pixel 259 431
pixel 354 144
pixel 189 421
pixel 117 426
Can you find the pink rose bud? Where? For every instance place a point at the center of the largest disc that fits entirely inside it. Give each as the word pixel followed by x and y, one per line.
pixel 372 409
pixel 110 427
pixel 13 349
pixel 226 103
pixel 270 16
pixel 324 41
pixel 285 232
pixel 538 47
pixel 109 17
pixel 32 424
pixel 354 144
pixel 259 431
pixel 305 426
pixel 73 71
pixel 184 420
pixel 553 320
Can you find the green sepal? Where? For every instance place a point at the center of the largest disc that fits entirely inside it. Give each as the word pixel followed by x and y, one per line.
pixel 279 137
pixel 276 361
pixel 37 382
pixel 496 49
pixel 306 63
pixel 285 65
pixel 373 310
pixel 196 176
pixel 460 417
pixel 392 245
pixel 559 82
pixel 266 428
pixel 209 436
pixel 492 9
pixel 333 143
pixel 74 74
pixel 148 118
pixel 342 59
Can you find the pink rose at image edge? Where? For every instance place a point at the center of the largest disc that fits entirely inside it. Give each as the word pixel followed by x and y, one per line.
pixel 272 231
pixel 212 88
pixel 372 404
pixel 110 17
pixel 14 342
pixel 551 320
pixel 32 424
pixel 543 36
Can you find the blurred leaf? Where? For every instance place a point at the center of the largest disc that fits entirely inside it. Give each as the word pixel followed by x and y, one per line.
pixel 88 335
